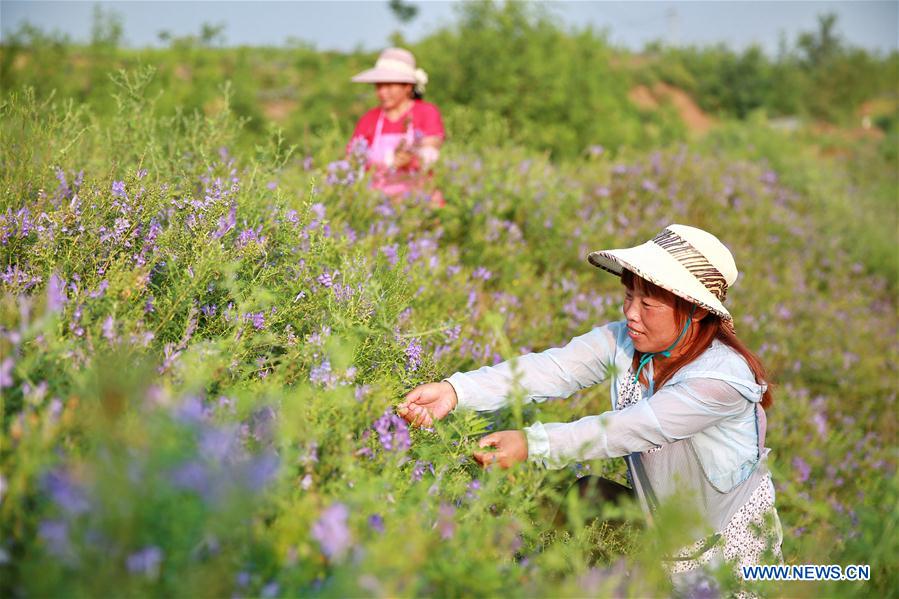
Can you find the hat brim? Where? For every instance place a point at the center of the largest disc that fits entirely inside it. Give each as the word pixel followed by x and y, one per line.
pixel 651 262
pixel 377 75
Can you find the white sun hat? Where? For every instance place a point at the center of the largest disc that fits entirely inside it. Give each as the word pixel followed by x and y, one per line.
pixel 688 262
pixel 394 65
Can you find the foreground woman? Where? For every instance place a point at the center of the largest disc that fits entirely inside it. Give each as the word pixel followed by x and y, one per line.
pixel 403 135
pixel 687 398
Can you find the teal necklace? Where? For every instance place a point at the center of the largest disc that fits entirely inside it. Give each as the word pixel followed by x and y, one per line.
pixel 665 353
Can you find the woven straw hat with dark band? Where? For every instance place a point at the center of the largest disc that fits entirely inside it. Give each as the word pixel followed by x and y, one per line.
pixel 688 262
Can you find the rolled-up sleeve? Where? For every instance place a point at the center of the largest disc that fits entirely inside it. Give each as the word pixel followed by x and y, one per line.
pixel 556 372
pixel 675 412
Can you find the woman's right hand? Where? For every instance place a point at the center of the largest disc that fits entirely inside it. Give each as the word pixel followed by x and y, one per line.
pixel 427 403
pixel 403 155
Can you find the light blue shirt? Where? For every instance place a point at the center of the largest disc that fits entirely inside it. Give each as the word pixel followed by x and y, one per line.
pixel 713 402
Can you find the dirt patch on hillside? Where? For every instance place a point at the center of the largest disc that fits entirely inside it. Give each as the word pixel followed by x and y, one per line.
pixel 690 113
pixel 278 110
pixel 183 72
pixel 641 97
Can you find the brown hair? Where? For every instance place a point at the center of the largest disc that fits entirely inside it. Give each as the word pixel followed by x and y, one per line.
pixel 708 329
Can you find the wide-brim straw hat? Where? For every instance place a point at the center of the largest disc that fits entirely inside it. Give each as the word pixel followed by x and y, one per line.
pixel 394 65
pixel 689 262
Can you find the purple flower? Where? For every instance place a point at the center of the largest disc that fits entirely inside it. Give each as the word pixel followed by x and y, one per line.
pixel 192 411
pixel 63 188
pixel 100 291
pixel 649 185
pixel 473 488
pixel 310 456
pixel 250 235
pixel 263 469
pixel 148 305
pixel 331 530
pixel 390 252
pixel 700 585
pixel 820 421
pixel 322 375
pixel 118 189
pixel 270 590
pixel 146 562
pixel 65 493
pixel 376 522
pixel 361 391
pixel 262 424
pixel 257 318
pixel 802 468
pixel 343 293
pixel 393 433
pixel 482 273
pixel 192 476
pixel 419 470
pixel 56 293
pixel 446 525
pixel 6 367
pixel 319 210
pixel 326 279
pixel 413 354
pixel 216 444
pixel 226 223
pixel 769 177
pixel 359 148
pixel 784 312
pixel 109 329
pixel 574 311
pixel 55 534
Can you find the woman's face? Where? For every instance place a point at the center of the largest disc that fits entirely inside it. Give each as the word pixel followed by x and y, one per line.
pixel 651 323
pixel 392 95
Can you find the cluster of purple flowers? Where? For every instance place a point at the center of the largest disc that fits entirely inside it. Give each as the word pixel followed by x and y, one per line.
pixel 342 172
pixel 226 222
pixel 146 562
pixel 18 224
pixel 15 277
pixel 56 293
pixel 331 531
pixel 248 236
pixel 446 523
pixel 64 191
pixel 413 354
pixel 326 278
pixel 257 318
pixel 482 273
pixel 393 432
pixel 390 252
pixel 420 468
pixel 803 470
pixel 322 374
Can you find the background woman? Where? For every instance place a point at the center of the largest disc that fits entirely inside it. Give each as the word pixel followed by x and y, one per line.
pixel 403 135
pixel 687 398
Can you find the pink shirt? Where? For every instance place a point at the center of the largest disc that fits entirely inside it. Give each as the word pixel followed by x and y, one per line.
pixel 426 121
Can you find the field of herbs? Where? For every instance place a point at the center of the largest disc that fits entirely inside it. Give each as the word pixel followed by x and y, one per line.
pixel 201 348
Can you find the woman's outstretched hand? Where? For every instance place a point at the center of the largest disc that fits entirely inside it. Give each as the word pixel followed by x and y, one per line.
pixel 427 403
pixel 404 155
pixel 511 448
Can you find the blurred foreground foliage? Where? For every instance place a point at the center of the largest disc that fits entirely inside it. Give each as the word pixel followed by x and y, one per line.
pixel 205 322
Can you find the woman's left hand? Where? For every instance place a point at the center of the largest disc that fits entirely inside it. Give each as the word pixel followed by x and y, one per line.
pixel 511 448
